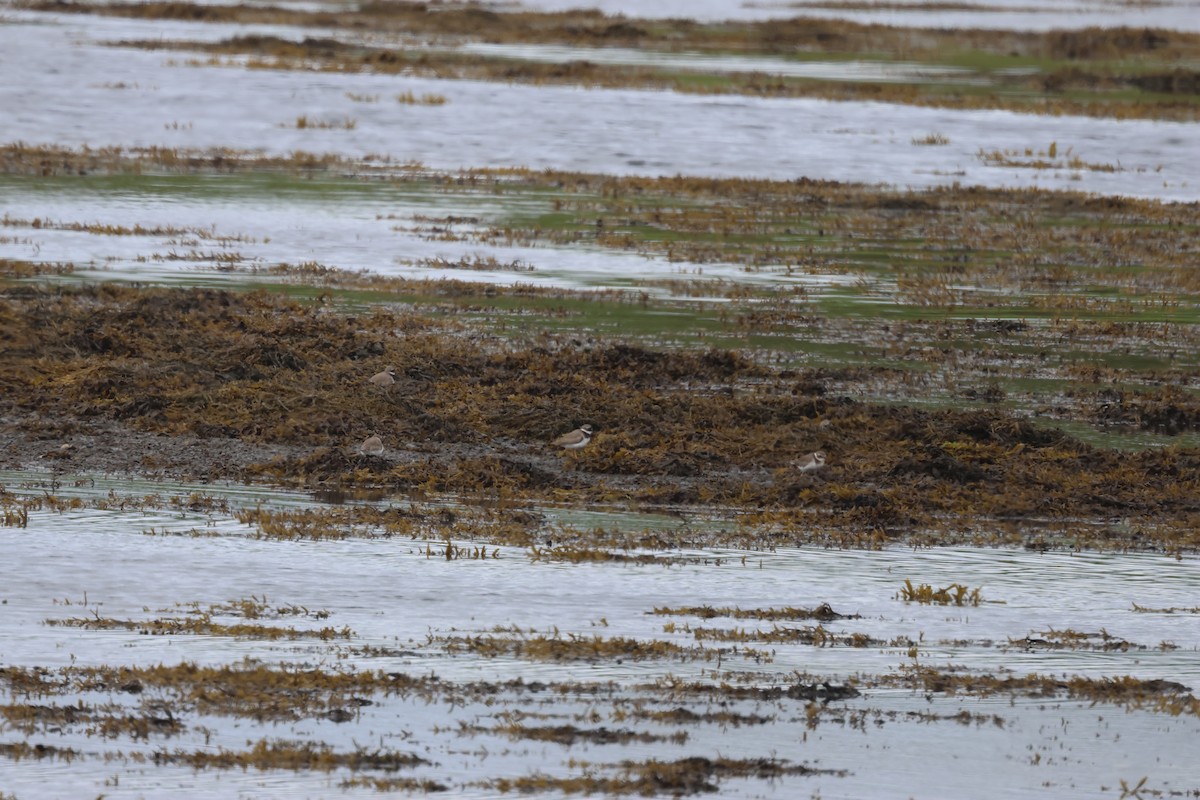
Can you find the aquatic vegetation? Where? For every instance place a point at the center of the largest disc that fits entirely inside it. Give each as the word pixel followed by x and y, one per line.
pixel 304 121
pixel 570 647
pixel 258 608
pixel 1172 610
pixel 817 636
pixel 1049 158
pixel 18 269
pixel 427 99
pixel 1164 696
pixel 682 716
pixel 390 784
pixel 821 612
pixel 1078 640
pixel 265 374
pixel 516 730
pixel 107 721
pixel 931 139
pixel 251 691
pixel 289 755
pixel 201 625
pixel 13 517
pixel 653 777
pixel 18 751
pixel 954 594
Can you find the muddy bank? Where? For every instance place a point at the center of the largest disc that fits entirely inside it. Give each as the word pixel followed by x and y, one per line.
pixel 210 384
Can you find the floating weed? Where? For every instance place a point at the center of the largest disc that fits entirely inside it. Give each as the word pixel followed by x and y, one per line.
pixel 568 735
pixel 577 554
pixel 19 751
pixel 816 636
pixel 822 612
pixel 304 121
pixel 409 99
pixel 1157 695
pixel 1078 640
pixel 108 229
pixel 19 269
pixel 475 263
pixel 686 776
pixel 106 721
pixel 194 533
pixel 954 594
pixel 157 718
pixel 198 502
pixel 451 552
pixel 282 754
pixel 202 625
pixel 859 719
pixel 1029 158
pixel 254 607
pixel 682 716
pixel 1136 790
pixel 931 139
pixel 570 647
pixel 433 522
pixel 407 785
pixel 15 517
pixel 1171 610
pixel 247 690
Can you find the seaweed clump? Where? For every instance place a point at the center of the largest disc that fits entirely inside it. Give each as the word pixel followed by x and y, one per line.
pixel 240 376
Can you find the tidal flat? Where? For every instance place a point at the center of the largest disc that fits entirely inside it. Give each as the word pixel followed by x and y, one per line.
pixel 263 642
pixel 959 266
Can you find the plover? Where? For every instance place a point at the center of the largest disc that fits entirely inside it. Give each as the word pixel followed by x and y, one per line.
pixel 575 439
pixel 371 446
pixel 385 379
pixel 810 462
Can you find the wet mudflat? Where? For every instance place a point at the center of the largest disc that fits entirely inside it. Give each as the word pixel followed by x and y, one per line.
pixel 716 620
pixel 208 588
pixel 242 658
pixel 371 108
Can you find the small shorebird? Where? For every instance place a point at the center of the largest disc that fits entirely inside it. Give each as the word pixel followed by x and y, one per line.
pixel 385 379
pixel 575 439
pixel 810 462
pixel 371 446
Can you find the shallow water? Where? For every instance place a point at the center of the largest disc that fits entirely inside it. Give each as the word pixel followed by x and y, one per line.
pixel 248 225
pixel 875 71
pixel 991 14
pixel 67 89
pixel 60 81
pixel 392 594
